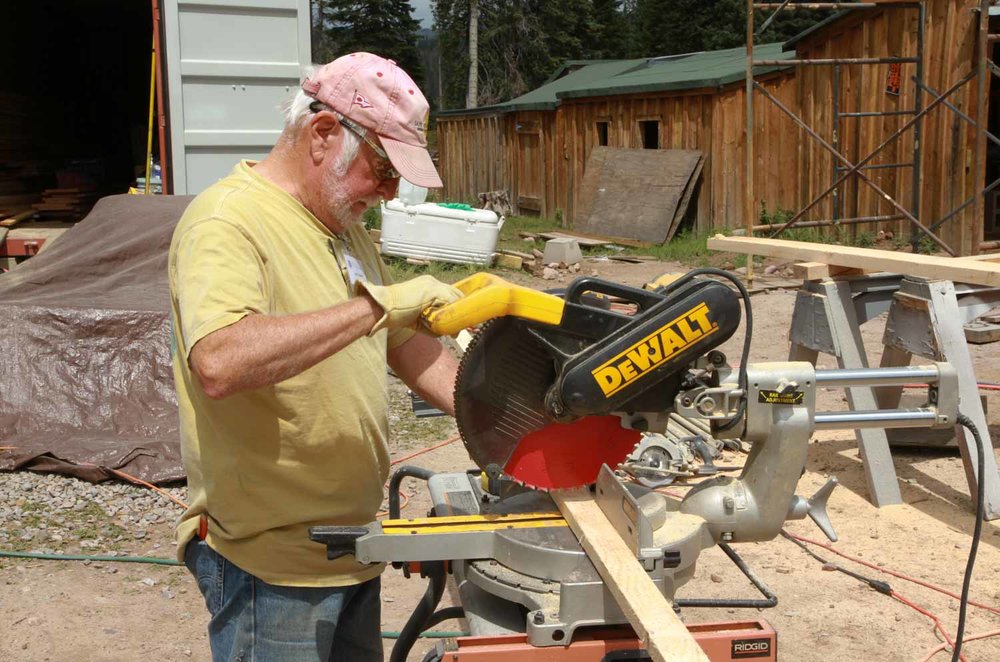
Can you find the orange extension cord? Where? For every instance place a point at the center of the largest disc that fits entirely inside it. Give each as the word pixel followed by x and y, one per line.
pixel 937 622
pixel 406 499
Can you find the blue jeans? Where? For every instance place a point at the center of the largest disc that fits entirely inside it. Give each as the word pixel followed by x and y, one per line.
pixel 253 621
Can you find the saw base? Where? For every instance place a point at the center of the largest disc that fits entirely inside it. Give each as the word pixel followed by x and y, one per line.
pixel 722 642
pixel 540 582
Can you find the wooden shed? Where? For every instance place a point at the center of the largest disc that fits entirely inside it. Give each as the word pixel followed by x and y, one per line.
pixel 931 182
pixel 537 145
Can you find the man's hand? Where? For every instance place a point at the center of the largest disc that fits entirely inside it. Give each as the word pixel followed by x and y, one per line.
pixel 404 302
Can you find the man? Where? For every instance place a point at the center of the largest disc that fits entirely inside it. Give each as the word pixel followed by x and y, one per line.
pixel 284 319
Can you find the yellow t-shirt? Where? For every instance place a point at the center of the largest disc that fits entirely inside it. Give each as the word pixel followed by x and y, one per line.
pixel 265 465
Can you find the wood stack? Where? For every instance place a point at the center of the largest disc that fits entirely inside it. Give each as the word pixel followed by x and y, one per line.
pixel 18 164
pixel 72 202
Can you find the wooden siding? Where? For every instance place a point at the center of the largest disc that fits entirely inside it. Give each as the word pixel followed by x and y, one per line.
pixel 946 181
pixel 480 153
pixel 472 156
pixel 549 165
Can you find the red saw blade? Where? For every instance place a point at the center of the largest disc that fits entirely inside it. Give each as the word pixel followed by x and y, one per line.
pixel 562 456
pixel 501 414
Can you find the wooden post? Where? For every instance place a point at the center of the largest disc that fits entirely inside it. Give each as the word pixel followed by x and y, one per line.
pixel 748 206
pixel 979 169
pixel 472 94
pixel 650 613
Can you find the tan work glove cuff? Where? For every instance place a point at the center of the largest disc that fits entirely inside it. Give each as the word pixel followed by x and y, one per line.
pixel 381 295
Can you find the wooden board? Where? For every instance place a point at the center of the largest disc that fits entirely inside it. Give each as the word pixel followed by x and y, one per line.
pixel 820 270
pixel 635 193
pixel 682 206
pixel 981 333
pixel 594 241
pixel 652 616
pixel 926 266
pixel 508 261
pixel 986 257
pixel 17 217
pixel 520 254
pixel 583 241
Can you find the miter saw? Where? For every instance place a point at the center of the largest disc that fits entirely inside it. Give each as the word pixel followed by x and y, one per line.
pixel 564 390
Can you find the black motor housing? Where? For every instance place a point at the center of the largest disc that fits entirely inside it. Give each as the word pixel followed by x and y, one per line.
pixel 667 333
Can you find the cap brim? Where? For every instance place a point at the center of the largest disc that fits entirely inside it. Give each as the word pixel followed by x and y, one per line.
pixel 413 163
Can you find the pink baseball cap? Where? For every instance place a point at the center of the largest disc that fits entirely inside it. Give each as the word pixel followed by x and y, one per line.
pixel 375 93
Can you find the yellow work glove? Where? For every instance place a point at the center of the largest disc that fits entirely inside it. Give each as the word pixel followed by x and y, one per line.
pixel 404 302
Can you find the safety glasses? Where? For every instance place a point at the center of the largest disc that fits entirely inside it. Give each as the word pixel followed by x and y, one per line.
pixel 384 169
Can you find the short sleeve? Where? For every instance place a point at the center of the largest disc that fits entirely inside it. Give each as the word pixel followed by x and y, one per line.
pixel 219 279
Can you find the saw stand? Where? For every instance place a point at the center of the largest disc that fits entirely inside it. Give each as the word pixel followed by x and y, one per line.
pixel 926 319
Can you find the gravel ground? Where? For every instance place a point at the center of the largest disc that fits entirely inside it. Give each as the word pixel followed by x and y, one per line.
pixel 48 513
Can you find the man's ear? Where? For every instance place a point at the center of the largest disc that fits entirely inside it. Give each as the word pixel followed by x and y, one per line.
pixel 324 135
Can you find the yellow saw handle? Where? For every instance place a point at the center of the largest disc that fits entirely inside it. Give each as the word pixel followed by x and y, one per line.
pixel 488 296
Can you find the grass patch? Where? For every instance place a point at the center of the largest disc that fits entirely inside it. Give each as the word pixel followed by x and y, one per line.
pixel 443 271
pixel 687 247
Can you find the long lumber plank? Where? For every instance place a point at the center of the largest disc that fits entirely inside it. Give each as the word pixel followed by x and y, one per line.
pixel 651 615
pixel 926 266
pixel 985 257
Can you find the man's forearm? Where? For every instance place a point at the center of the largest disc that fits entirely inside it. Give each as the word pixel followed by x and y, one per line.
pixel 427 367
pixel 261 350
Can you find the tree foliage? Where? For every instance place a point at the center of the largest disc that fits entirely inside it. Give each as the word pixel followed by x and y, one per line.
pixel 668 27
pixel 383 27
pixel 523 42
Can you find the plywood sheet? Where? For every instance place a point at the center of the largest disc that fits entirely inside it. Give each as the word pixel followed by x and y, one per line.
pixel 636 193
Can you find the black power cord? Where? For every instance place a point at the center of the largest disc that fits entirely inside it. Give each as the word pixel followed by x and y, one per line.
pixel 880 586
pixel 885 588
pixel 745 356
pixel 967 423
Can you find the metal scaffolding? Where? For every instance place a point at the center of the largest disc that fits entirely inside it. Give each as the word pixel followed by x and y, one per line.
pixel 842 167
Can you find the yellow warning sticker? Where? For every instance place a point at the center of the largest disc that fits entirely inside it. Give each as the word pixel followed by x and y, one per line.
pixel 777 398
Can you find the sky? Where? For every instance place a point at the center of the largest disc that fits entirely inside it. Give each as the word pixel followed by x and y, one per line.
pixel 422 12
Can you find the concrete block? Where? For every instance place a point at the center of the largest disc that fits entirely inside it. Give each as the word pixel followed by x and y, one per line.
pixel 562 249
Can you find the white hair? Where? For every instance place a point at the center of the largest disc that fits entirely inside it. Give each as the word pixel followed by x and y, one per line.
pixel 299 110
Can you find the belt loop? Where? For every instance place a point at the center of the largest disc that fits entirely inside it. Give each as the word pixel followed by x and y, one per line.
pixel 202 526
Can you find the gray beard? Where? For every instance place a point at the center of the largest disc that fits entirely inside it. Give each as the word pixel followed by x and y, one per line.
pixel 339 204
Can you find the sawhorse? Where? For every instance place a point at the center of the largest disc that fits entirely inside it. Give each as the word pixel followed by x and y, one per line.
pixel 926 319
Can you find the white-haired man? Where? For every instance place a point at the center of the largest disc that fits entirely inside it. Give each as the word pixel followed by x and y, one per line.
pixel 284 319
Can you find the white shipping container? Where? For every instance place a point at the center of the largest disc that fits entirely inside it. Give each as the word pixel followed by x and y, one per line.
pixel 430 231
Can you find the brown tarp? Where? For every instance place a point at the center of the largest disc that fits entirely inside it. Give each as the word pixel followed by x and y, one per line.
pixel 85 376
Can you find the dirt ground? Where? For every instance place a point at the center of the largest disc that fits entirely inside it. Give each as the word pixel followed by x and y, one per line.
pixel 57 610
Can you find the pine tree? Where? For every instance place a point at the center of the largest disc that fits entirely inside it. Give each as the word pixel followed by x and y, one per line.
pixel 383 27
pixel 451 23
pixel 614 32
pixel 668 27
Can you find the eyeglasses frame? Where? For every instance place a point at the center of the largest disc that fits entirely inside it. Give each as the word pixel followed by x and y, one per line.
pixel 361 132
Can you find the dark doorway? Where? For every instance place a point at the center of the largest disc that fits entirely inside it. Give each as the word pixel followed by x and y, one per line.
pixel 602 133
pixel 649 132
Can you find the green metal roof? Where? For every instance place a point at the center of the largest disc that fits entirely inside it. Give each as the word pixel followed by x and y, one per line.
pixel 586 75
pixel 581 73
pixel 682 72
pixel 594 78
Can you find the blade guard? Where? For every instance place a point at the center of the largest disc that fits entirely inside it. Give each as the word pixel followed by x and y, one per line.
pixel 488 296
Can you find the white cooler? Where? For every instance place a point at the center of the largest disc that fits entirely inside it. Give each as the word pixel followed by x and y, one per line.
pixel 433 232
